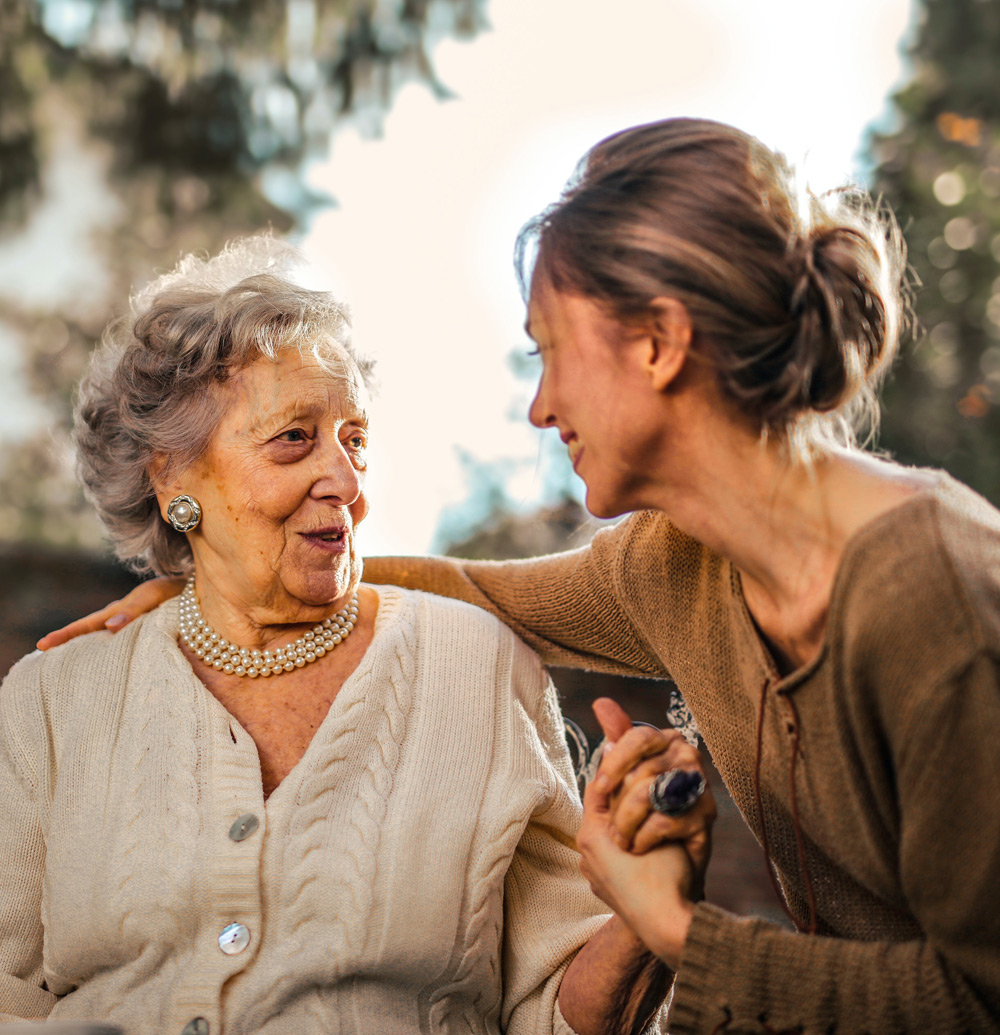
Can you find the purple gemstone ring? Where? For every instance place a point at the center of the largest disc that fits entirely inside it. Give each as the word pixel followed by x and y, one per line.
pixel 674 792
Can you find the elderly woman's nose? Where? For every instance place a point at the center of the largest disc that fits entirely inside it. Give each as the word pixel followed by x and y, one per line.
pixel 337 476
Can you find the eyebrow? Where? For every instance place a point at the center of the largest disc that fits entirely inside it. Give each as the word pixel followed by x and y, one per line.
pixel 265 422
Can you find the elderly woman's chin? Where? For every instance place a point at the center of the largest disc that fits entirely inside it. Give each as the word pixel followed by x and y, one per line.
pixel 323 573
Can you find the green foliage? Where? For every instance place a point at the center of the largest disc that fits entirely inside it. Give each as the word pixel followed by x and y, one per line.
pixel 210 86
pixel 940 172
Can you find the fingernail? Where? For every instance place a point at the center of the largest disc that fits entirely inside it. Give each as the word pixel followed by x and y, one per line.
pixel 115 622
pixel 601 784
pixel 609 746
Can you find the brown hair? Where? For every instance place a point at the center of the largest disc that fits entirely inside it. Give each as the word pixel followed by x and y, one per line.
pixel 798 312
pixel 152 389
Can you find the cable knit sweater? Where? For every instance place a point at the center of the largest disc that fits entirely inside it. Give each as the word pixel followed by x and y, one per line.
pixel 415 872
pixel 886 746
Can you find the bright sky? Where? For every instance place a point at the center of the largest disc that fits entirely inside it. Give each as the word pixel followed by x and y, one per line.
pixel 421 241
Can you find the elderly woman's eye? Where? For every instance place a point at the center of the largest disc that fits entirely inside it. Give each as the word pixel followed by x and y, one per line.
pixel 292 435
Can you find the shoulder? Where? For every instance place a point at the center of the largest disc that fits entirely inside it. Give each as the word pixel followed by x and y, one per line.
pixel 465 623
pixel 40 670
pixel 42 697
pixel 457 640
pixel 60 684
pixel 967 529
pixel 918 596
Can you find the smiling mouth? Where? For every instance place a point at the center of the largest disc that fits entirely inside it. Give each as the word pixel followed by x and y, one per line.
pixel 332 535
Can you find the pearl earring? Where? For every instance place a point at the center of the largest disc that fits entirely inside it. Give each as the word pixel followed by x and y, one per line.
pixel 183 513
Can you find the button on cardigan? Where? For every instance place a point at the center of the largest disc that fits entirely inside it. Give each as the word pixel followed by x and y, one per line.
pixel 415 872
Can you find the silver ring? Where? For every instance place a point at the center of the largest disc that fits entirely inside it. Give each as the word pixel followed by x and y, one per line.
pixel 675 792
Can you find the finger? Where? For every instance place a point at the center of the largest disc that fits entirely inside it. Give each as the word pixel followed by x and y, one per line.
pixel 633 811
pixel 596 800
pixel 690 827
pixel 92 623
pixel 699 850
pixel 613 718
pixel 677 754
pixel 640 743
pixel 118 614
pixel 631 807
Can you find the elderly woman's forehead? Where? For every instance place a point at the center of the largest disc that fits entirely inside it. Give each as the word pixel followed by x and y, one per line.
pixel 331 376
pixel 332 356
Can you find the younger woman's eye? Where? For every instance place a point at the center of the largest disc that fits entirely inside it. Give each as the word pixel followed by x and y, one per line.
pixel 358 441
pixel 534 352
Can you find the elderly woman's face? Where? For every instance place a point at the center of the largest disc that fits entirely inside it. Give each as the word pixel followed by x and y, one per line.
pixel 281 487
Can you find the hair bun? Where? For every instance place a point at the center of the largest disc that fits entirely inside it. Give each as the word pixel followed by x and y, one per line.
pixel 843 336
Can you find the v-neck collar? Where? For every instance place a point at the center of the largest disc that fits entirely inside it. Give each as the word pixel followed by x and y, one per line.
pixel 353 691
pixel 853 549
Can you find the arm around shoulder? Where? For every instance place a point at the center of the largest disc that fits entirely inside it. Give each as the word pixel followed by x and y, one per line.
pixel 118 613
pixel 566 606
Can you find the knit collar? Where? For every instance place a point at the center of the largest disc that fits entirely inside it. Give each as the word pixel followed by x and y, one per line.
pixel 855 552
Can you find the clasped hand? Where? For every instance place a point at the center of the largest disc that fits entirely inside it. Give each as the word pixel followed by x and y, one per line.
pixel 647 866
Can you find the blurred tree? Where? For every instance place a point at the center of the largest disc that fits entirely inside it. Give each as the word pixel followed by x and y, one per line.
pixel 940 172
pixel 165 126
pixel 505 534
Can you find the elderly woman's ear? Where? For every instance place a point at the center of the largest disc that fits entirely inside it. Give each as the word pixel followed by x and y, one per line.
pixel 158 471
pixel 179 509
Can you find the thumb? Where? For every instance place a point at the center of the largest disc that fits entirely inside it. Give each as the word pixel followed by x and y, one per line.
pixel 613 718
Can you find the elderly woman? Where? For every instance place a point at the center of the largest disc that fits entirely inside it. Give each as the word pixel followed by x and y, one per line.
pixel 832 618
pixel 285 801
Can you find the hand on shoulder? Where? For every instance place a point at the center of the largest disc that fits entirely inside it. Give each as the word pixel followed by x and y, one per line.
pixel 118 613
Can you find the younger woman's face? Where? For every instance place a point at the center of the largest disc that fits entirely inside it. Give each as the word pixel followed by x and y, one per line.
pixel 595 392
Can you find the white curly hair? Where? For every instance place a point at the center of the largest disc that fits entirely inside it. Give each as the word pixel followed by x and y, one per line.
pixel 150 391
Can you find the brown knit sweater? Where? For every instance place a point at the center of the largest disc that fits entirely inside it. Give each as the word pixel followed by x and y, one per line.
pixel 886 746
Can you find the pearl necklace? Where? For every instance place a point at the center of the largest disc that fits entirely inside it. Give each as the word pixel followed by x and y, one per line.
pixel 218 652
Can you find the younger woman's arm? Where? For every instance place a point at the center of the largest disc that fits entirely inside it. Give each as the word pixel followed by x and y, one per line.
pixel 118 613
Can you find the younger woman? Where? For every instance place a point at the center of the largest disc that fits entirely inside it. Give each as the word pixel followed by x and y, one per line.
pixel 832 618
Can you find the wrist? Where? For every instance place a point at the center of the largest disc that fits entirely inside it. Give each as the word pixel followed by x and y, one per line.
pixel 664 933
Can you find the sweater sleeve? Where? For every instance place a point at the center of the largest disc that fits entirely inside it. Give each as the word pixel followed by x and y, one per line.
pixel 549 910
pixel 566 605
pixel 751 976
pixel 23 995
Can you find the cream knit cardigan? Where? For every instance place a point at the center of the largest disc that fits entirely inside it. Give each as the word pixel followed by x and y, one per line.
pixel 415 872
